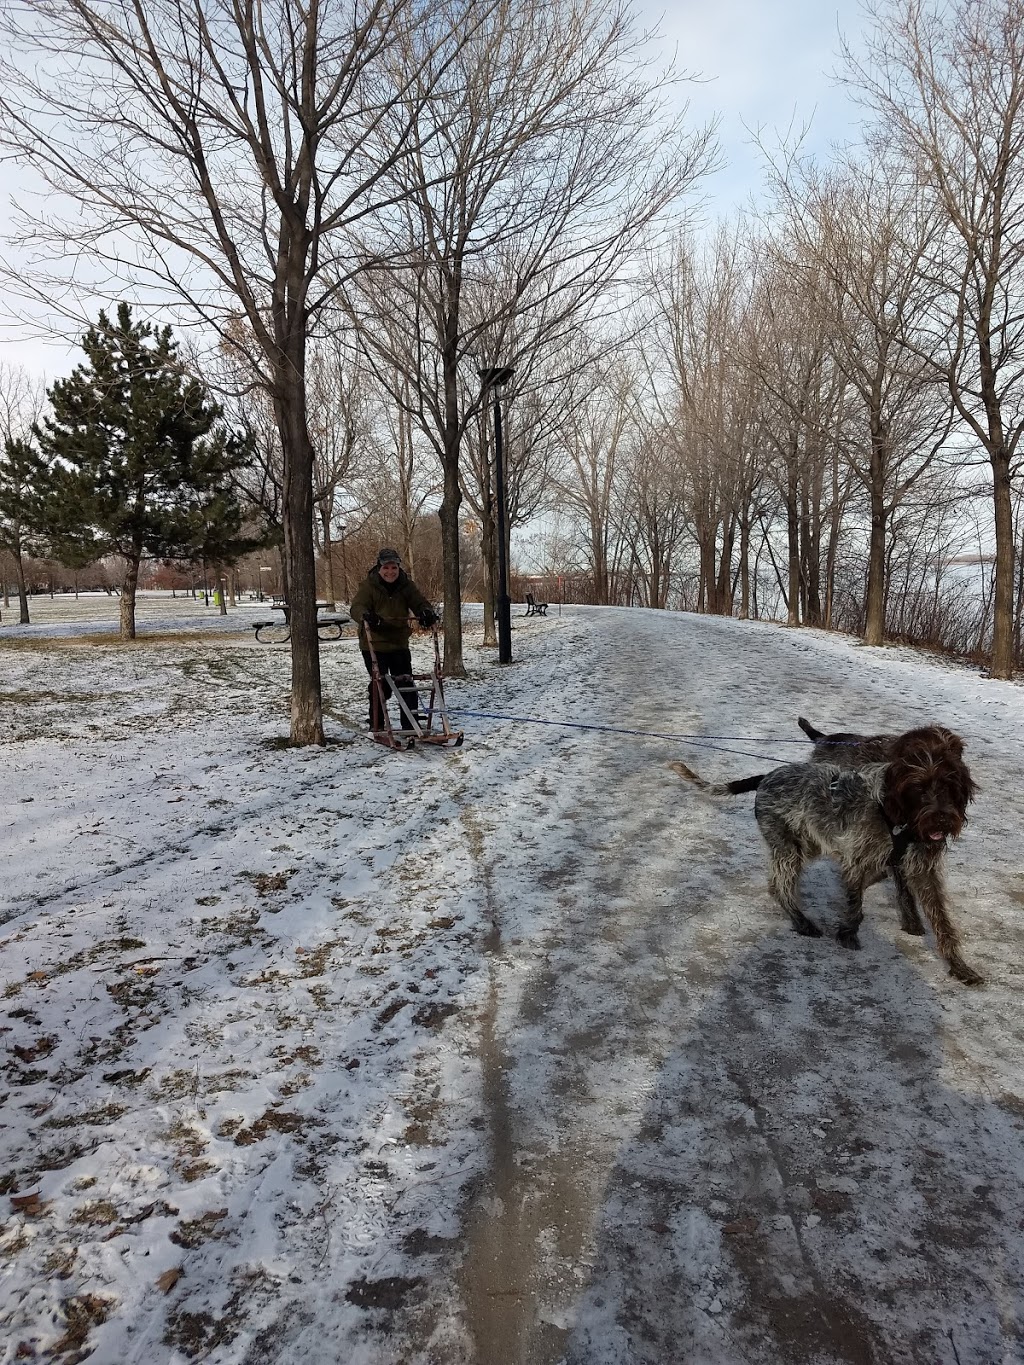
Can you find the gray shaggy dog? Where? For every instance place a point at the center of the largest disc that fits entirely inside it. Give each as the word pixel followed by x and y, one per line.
pixel 890 812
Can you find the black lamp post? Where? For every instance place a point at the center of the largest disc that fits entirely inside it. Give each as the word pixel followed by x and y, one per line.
pixel 495 378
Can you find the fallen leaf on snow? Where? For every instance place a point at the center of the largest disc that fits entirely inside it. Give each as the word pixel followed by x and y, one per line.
pixel 169 1278
pixel 28 1204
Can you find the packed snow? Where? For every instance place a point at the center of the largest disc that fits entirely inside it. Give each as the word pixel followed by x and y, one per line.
pixel 491 1054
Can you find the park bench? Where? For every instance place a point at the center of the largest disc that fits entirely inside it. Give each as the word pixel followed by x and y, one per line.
pixel 328 626
pixel 535 608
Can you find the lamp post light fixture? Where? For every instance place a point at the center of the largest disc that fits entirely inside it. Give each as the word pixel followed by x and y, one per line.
pixel 496 378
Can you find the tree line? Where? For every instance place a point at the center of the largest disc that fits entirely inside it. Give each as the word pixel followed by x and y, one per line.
pixel 365 205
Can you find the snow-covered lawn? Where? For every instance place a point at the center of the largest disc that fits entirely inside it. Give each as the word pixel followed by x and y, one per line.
pixel 499 1053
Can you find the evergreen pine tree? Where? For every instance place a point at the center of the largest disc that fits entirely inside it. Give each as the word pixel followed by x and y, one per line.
pixel 137 460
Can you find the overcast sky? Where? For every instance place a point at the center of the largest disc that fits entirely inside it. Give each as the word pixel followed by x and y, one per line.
pixel 766 64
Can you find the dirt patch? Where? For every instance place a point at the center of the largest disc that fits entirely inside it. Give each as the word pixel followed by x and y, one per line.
pixel 81 1312
pixel 390 1292
pixel 273 1121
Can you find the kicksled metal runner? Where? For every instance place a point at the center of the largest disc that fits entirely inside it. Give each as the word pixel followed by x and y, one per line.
pixel 427 724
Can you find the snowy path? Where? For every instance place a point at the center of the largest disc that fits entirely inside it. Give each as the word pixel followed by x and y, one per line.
pixel 501 1054
pixel 715 1141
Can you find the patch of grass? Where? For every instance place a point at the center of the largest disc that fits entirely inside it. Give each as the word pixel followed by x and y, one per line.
pixel 273 1121
pixel 107 1113
pixel 295 1084
pixel 23 697
pixel 316 962
pixel 81 1312
pixel 95 1213
pixel 191 1171
pixel 16 1239
pixel 183 1136
pixel 61 1262
pixel 194 1232
pixel 241 926
pixel 176 1085
pixel 60 1158
pixel 196 1334
pixel 186 1083
pixel 267 882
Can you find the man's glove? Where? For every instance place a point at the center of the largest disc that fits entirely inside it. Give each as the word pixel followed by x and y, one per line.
pixel 371 619
pixel 428 617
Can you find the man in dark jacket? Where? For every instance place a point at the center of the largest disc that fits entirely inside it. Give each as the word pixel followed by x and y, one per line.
pixel 383 604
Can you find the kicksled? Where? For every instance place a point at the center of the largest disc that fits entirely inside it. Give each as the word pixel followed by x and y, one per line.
pixel 429 723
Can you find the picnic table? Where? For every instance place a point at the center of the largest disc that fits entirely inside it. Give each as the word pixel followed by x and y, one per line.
pixel 328 625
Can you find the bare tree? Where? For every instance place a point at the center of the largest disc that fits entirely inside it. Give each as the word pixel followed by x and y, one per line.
pixel 219 155
pixel 340 420
pixel 865 231
pixel 600 445
pixel 802 400
pixel 947 85
pixel 543 173
pixel 704 301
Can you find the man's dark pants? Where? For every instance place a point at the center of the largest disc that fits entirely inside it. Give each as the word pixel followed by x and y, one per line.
pixel 397 662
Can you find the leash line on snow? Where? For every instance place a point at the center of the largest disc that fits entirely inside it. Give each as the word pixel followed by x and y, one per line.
pixel 698 741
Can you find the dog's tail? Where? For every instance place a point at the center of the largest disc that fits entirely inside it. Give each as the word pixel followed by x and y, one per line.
pixel 809 729
pixel 742 784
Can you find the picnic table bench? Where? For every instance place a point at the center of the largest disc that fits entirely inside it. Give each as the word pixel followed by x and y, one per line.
pixel 535 608
pixel 328 625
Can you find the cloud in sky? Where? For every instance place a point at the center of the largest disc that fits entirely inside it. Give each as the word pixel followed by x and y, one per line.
pixel 765 64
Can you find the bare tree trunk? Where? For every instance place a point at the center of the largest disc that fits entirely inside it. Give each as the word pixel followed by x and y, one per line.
pixel 744 564
pixel 874 607
pixel 489 555
pixel 1002 616
pixel 128 590
pixel 451 501
pixel 793 534
pixel 724 591
pixel 298 558
pixel 22 589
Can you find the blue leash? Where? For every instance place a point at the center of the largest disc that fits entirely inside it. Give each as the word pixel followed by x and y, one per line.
pixel 698 741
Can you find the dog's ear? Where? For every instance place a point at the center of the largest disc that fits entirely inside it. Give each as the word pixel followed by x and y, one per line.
pixel 897 790
pixel 953 744
pixel 964 785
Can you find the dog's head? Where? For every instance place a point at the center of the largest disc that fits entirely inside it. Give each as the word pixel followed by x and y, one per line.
pixel 928 786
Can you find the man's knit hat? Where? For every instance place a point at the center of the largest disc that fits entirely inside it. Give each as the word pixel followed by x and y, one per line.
pixel 386 556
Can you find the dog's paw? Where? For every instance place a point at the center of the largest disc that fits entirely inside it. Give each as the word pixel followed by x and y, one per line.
pixel 966 975
pixel 848 939
pixel 806 927
pixel 914 927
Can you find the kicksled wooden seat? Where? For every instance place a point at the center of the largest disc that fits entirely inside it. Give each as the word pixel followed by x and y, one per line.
pixel 535 608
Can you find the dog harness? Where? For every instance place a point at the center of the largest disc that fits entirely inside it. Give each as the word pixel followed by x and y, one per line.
pixel 902 837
